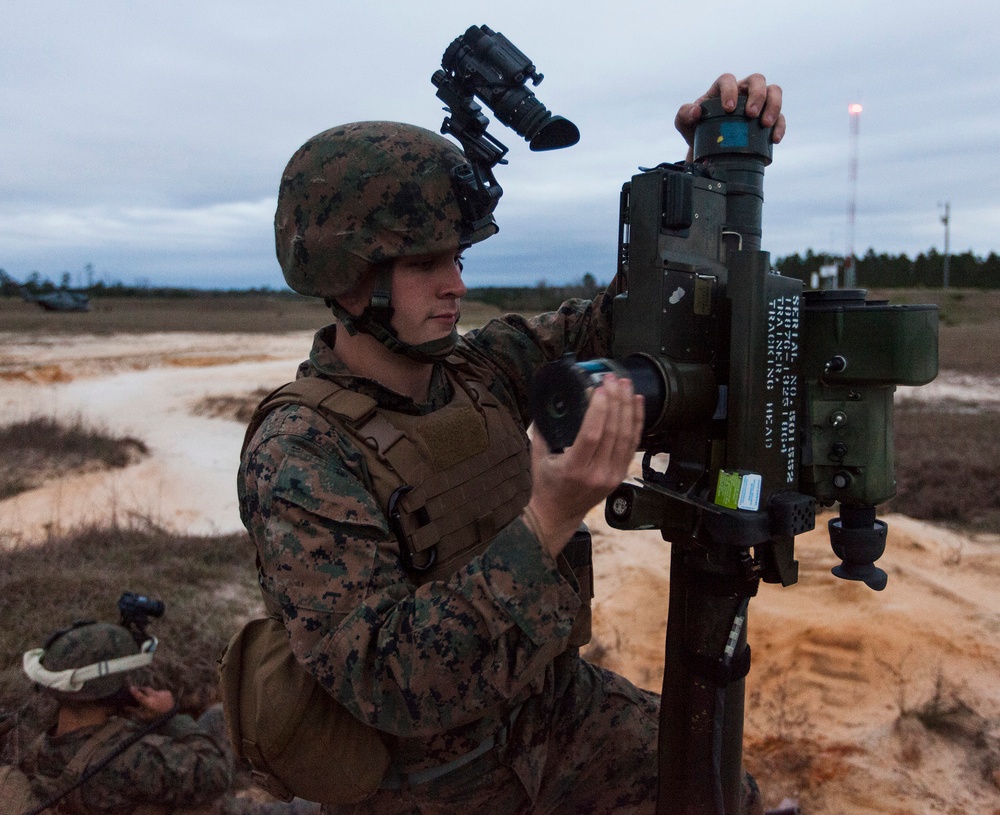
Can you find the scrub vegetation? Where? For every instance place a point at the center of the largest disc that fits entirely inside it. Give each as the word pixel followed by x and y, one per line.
pixel 208 585
pixel 41 448
pixel 948 466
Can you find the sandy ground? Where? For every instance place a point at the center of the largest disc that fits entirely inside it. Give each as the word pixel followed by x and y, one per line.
pixel 836 665
pixel 145 386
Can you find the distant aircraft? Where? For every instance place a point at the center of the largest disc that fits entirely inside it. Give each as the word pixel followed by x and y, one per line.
pixel 59 300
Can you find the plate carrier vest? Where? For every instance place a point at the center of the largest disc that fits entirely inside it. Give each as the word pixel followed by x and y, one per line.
pixel 447 481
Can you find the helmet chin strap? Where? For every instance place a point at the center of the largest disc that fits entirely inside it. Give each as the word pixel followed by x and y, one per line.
pixel 376 320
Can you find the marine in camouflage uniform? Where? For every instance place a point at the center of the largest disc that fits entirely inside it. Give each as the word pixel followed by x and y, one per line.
pixel 472 679
pixel 176 767
pixel 427 664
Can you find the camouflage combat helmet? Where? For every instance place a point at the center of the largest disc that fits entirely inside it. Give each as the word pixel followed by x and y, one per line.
pixel 366 192
pixel 358 196
pixel 87 662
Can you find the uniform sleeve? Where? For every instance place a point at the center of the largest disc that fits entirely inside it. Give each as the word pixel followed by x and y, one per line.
pixel 517 346
pixel 409 660
pixel 178 765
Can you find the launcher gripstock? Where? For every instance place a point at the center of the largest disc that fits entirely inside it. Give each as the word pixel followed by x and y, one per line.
pixel 768 401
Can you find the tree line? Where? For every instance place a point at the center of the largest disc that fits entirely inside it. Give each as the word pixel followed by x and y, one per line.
pixel 35 284
pixel 885 271
pixel 873 270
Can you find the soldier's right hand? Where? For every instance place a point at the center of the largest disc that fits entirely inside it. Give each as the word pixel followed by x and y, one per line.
pixel 565 486
pixel 152 703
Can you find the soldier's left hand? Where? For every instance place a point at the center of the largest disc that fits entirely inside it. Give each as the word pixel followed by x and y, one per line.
pixel 565 486
pixel 762 100
pixel 152 703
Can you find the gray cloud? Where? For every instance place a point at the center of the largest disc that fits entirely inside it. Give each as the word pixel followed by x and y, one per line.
pixel 148 139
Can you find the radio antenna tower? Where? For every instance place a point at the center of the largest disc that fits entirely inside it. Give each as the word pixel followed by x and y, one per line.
pixel 945 219
pixel 850 275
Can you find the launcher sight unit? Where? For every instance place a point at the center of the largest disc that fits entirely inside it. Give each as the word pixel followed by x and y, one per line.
pixel 767 400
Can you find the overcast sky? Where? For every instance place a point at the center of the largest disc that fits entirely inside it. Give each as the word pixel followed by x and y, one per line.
pixel 148 138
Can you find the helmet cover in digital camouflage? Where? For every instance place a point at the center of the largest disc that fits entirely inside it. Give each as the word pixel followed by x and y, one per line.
pixel 367 192
pixel 85 645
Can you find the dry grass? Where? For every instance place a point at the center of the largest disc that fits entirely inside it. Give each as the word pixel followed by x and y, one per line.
pixel 948 467
pixel 40 448
pixel 235 313
pixel 238 408
pixel 969 348
pixel 207 583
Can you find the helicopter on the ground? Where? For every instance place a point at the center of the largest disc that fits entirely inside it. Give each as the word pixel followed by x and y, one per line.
pixel 64 299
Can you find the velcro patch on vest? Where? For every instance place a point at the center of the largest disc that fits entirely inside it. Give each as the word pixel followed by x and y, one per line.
pixel 355 407
pixel 454 435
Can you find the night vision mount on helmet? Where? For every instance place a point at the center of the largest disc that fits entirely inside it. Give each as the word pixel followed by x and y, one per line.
pixel 356 197
pixel 484 63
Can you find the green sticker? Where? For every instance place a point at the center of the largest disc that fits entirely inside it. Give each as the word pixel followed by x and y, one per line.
pixel 727 493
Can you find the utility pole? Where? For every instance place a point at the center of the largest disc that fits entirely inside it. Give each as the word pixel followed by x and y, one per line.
pixel 945 219
pixel 850 274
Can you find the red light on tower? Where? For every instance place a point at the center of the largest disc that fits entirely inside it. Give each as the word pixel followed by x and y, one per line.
pixel 850 275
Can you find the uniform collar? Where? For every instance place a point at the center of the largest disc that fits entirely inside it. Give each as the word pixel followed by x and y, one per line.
pixel 324 361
